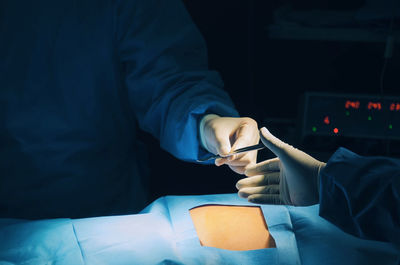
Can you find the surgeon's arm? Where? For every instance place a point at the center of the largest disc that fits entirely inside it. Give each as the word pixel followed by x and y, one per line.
pixel 164 62
pixel 361 195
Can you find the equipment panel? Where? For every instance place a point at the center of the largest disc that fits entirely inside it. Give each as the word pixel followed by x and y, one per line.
pixel 351 116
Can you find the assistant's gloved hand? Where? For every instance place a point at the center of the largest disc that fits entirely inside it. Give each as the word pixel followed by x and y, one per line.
pixel 291 178
pixel 221 135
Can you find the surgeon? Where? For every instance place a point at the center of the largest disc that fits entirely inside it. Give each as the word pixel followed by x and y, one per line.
pixel 361 195
pixel 77 80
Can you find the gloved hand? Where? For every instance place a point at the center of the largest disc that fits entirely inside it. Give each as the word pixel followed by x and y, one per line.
pixel 291 178
pixel 221 135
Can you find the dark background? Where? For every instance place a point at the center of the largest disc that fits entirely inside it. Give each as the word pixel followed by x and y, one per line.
pixel 266 76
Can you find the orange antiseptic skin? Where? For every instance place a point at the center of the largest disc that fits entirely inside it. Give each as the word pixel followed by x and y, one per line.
pixel 231 227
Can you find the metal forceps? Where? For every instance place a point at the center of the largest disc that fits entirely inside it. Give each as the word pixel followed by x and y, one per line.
pixel 237 151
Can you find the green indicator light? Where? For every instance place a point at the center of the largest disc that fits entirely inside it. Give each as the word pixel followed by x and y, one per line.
pixel 390 126
pixel 314 129
pixel 347 113
pixel 369 118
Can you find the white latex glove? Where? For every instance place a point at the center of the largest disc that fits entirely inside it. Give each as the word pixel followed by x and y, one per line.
pixel 291 178
pixel 221 135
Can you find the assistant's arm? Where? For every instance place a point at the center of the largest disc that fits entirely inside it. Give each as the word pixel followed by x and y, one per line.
pixel 361 195
pixel 164 62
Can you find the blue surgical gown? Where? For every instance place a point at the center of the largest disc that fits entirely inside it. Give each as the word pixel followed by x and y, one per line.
pixel 361 195
pixel 77 79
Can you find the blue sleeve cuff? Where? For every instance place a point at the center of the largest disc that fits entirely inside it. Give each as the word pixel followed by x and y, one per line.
pixel 189 147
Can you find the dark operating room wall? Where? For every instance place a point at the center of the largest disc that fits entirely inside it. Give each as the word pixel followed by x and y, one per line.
pixel 266 77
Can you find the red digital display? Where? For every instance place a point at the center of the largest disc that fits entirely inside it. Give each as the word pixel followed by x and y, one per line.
pixel 352 104
pixel 395 107
pixel 327 120
pixel 374 105
pixel 371 105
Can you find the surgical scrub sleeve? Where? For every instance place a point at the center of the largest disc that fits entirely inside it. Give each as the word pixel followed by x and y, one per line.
pixel 76 77
pixel 361 195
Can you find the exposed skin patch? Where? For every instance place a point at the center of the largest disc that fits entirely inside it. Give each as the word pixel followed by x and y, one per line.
pixel 232 227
